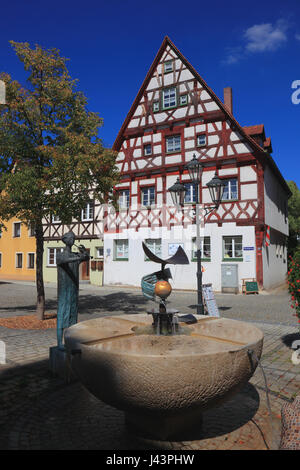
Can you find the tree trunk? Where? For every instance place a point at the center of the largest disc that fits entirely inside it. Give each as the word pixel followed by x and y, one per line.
pixel 40 306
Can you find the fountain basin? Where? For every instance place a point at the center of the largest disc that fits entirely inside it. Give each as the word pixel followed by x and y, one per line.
pixel 163 383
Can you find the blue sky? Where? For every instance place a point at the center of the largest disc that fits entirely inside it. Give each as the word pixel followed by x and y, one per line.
pixel 111 46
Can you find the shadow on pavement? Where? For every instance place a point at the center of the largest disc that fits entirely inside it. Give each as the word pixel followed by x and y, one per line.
pixel 288 340
pixel 89 304
pixel 42 412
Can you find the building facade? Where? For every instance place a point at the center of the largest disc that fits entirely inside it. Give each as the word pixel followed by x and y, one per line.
pixel 88 231
pixel 17 252
pixel 175 116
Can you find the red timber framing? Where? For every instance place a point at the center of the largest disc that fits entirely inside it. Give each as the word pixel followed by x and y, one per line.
pixel 206 117
pixel 229 149
pixel 83 229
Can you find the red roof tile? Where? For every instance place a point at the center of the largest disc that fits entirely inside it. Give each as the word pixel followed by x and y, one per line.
pixel 254 130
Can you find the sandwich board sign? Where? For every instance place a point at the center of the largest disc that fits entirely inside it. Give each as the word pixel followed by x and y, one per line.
pixel 210 301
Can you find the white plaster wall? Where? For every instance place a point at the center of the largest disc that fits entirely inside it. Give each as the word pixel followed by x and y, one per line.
pixel 184 277
pixel 247 174
pixel 275 200
pixel 274 262
pixel 248 191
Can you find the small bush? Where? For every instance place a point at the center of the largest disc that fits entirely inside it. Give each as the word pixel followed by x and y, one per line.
pixel 294 283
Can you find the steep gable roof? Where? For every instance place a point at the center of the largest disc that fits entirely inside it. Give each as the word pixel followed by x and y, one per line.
pixel 167 42
pixel 257 149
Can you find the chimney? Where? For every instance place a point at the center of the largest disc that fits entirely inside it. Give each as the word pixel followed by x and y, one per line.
pixel 228 98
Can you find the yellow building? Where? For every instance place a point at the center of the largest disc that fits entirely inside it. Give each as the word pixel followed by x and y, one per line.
pixel 17 252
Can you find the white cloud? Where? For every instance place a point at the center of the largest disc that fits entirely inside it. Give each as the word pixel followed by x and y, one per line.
pixel 297 36
pixel 259 38
pixel 233 55
pixel 266 37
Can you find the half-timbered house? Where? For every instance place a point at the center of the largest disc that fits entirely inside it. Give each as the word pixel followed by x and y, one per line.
pixel 88 231
pixel 174 116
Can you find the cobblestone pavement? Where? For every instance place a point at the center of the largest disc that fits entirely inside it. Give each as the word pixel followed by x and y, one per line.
pixel 39 411
pixel 18 298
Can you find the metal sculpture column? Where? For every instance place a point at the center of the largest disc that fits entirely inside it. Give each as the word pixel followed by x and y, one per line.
pixel 68 285
pixel 158 284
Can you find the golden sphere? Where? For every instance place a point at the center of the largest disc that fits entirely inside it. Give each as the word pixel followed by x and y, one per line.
pixel 163 289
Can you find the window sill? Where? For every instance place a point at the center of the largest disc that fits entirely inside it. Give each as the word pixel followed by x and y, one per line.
pixel 170 107
pixel 121 259
pixel 232 259
pixel 173 152
pixel 229 200
pixel 206 260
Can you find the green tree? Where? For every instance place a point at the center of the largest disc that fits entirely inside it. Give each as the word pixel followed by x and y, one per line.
pixel 294 217
pixel 51 158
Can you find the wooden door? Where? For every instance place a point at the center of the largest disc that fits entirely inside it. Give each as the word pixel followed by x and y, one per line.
pixel 85 269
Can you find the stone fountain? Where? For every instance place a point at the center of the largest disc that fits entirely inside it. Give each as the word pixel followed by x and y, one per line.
pixel 163 370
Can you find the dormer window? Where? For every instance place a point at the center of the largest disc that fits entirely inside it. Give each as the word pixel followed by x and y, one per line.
pixel 169 98
pixel 168 66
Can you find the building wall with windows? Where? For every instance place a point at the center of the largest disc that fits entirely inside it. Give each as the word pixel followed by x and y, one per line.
pixel 17 252
pixel 275 259
pixel 129 269
pixel 174 117
pixel 276 211
pixel 88 231
pixel 93 272
pixel 276 218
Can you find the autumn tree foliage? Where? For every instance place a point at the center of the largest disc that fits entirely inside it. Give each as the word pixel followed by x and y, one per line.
pixel 51 158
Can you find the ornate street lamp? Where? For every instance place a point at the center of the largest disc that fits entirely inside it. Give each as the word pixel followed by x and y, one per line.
pixel 177 192
pixel 195 170
pixel 216 189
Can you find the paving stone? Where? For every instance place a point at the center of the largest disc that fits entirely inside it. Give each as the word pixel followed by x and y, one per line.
pixel 38 411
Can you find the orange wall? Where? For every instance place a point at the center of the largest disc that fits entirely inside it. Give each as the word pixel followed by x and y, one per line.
pixel 9 246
